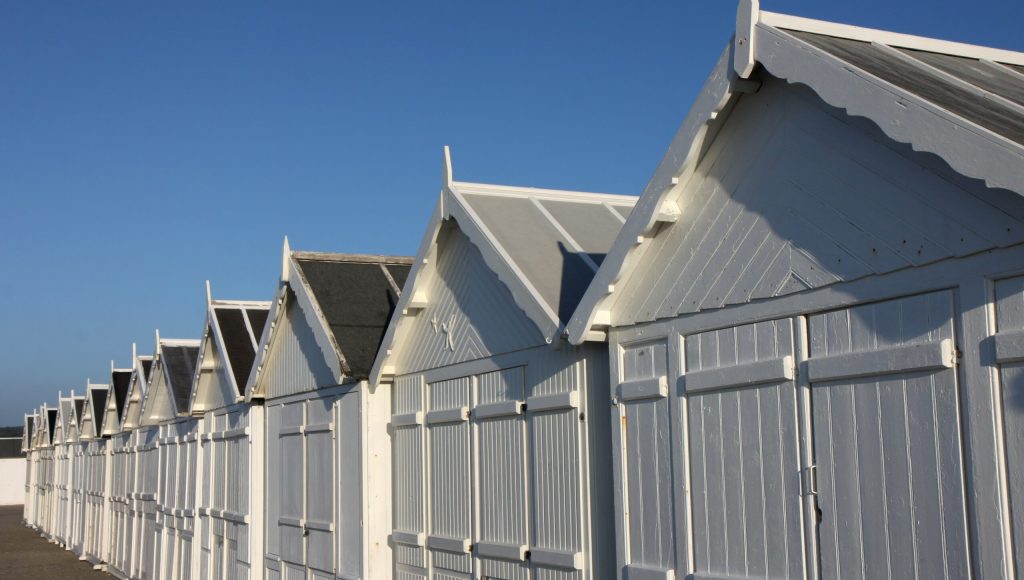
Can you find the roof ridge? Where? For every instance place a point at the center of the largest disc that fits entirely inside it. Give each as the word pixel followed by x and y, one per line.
pixel 542 193
pixel 354 258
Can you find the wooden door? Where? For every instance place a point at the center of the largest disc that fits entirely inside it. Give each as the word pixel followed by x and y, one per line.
pixel 887 440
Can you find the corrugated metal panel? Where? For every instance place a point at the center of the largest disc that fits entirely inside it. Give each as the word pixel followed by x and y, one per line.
pixel 888 441
pixel 1009 339
pixel 296 364
pixel 744 452
pixel 471 314
pixel 800 198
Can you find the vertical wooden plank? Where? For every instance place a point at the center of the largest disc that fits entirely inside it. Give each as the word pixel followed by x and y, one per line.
pixel 988 504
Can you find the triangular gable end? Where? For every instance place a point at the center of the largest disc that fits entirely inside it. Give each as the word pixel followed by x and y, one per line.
pixel 227 351
pixel 170 381
pixel 51 422
pixel 117 400
pixel 137 388
pixel 798 51
pixel 471 295
pixel 91 425
pixel 28 433
pixel 297 330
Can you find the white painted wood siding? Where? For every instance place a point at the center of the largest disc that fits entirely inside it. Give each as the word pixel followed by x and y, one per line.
pixel 302 484
pixel 296 363
pixel 887 440
pixel 644 436
pixel 792 195
pixel 470 313
pixel 1009 350
pixel 490 471
pixel 747 518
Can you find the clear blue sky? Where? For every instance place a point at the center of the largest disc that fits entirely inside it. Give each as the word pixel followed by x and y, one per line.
pixel 148 146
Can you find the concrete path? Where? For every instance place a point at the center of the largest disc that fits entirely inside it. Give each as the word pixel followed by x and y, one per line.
pixel 26 555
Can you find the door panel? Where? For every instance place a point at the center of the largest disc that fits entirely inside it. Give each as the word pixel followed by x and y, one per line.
pixel 319 515
pixel 449 496
pixel 503 535
pixel 645 429
pixel 887 440
pixel 1009 343
pixel 744 451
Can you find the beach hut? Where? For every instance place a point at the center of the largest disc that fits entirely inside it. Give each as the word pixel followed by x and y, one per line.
pixel 814 316
pixel 324 326
pixel 65 442
pixel 126 502
pixel 499 432
pixel 229 501
pixel 28 447
pixel 78 442
pixel 167 440
pixel 44 479
pixel 94 479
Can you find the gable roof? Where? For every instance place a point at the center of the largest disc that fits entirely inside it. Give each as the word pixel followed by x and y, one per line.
pixel 544 245
pixel 137 388
pixel 170 384
pixel 51 424
pixel 347 300
pixel 232 332
pixel 28 432
pixel 94 405
pixel 961 102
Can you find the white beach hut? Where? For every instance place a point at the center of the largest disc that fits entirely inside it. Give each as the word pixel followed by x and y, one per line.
pixel 324 327
pixel 229 501
pixel 814 316
pixel 500 442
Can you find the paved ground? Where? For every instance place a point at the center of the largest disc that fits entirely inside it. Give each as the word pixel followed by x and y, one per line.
pixel 26 555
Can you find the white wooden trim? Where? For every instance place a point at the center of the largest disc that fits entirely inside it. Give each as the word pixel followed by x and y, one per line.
pixel 655 388
pixel 447 416
pixel 968 148
pixel 1009 346
pixel 498 409
pixel 455 545
pixel 891 38
pixel 407 419
pixel 899 359
pixel 499 551
pixel 637 572
pixel 675 168
pixel 538 403
pixel 556 559
pixel 409 538
pixel 777 370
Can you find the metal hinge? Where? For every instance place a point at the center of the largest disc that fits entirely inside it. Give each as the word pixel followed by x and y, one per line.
pixel 809 480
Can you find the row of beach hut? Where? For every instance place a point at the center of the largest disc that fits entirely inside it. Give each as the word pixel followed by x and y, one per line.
pixel 799 354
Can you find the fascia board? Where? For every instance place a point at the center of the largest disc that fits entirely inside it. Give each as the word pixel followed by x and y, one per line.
pixel 253 386
pixel 906 118
pixel 415 272
pixel 497 259
pixel 317 321
pixel 204 343
pixel 776 20
pixel 675 168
